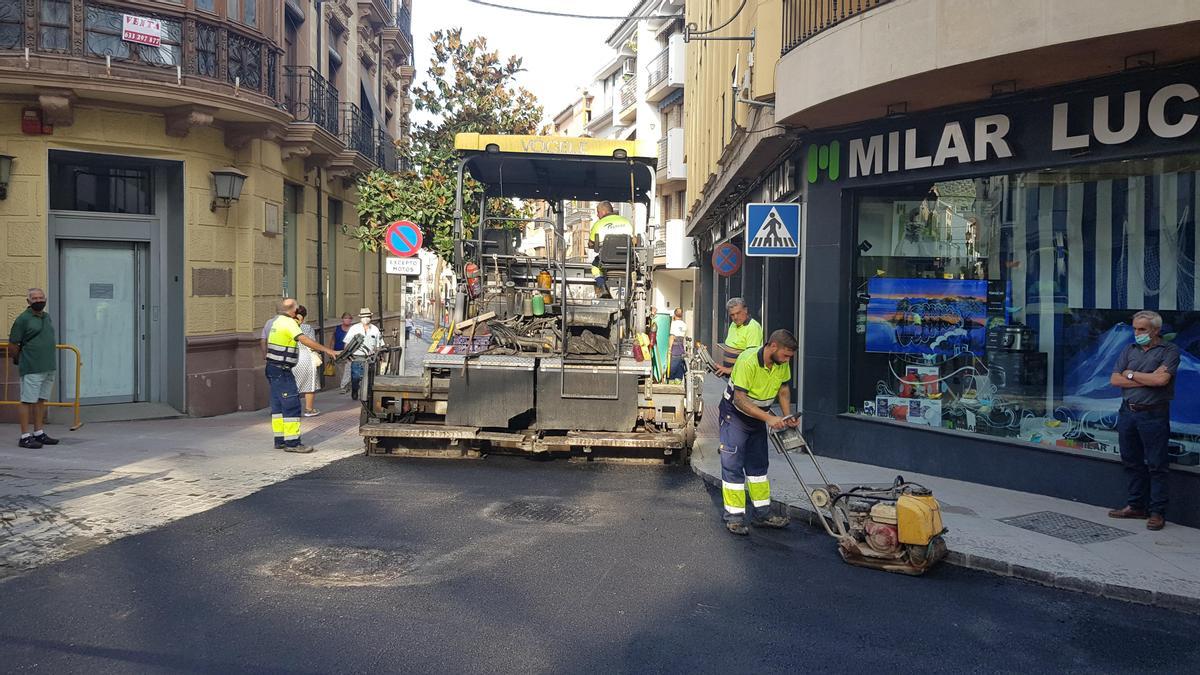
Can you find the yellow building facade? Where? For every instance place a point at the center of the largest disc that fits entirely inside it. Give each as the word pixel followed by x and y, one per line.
pixel 113 205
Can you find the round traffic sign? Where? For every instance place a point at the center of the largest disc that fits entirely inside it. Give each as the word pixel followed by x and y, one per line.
pixel 403 238
pixel 727 259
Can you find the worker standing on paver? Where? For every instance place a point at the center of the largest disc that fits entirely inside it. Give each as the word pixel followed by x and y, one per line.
pixel 608 222
pixel 283 353
pixel 744 333
pixel 760 375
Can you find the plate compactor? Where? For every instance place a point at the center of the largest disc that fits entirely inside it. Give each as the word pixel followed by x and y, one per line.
pixel 897 527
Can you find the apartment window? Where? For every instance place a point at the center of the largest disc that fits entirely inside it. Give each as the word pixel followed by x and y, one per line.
pixel 206 50
pixel 245 62
pixel 245 11
pixel 207 5
pixel 55 25
pixel 102 37
pixel 12 21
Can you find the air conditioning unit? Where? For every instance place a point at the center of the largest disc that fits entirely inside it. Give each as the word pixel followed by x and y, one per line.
pixel 680 252
pixel 676 168
pixel 676 60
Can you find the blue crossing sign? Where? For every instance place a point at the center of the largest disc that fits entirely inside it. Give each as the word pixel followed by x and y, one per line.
pixel 773 229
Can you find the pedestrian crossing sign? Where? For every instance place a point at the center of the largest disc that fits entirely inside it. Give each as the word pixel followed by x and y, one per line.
pixel 773 229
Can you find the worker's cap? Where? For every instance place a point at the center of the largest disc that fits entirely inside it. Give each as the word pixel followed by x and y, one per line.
pixel 365 311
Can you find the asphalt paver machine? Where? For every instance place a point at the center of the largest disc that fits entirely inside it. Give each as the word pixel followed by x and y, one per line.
pixel 537 360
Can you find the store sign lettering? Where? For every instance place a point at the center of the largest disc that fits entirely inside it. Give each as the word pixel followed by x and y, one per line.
pixel 1160 111
pixel 987 139
pixel 1101 130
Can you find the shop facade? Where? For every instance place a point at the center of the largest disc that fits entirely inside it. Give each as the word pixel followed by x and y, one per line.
pixel 970 276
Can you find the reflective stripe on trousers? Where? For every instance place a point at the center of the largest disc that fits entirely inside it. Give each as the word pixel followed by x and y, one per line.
pixel 744 462
pixel 285 406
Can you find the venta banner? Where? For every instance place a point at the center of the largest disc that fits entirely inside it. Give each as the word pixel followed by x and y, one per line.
pixel 142 30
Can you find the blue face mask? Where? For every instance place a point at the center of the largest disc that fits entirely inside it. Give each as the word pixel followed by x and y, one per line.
pixel 1142 340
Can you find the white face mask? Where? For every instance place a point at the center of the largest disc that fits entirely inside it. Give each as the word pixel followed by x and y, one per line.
pixel 366 320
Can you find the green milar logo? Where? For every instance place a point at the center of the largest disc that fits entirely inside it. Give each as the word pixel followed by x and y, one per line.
pixel 827 158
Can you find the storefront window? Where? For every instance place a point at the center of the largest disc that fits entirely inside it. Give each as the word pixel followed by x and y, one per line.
pixel 999 305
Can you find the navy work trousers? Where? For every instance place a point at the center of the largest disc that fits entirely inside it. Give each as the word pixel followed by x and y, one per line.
pixel 285 406
pixel 744 462
pixel 1144 437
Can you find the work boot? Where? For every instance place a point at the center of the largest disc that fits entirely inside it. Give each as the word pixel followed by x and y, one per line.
pixel 45 439
pixel 1127 512
pixel 1155 522
pixel 302 449
pixel 775 521
pixel 738 528
pixel 29 442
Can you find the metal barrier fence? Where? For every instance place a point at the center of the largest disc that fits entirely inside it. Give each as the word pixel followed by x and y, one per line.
pixel 74 405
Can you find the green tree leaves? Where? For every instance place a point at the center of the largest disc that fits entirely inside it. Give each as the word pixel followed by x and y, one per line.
pixel 469 89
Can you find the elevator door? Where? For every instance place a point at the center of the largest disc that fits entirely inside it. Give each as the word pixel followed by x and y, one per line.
pixel 104 289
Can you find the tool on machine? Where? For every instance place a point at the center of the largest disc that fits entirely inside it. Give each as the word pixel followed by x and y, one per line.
pixel 897 527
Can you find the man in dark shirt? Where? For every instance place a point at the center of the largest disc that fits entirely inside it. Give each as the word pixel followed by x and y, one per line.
pixel 34 345
pixel 1145 374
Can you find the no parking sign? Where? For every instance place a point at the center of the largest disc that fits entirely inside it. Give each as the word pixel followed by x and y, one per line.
pixel 403 238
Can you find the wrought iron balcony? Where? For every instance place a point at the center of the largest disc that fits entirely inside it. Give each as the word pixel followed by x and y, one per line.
pixel 385 152
pixel 658 69
pixel 803 19
pixel 309 97
pixel 358 133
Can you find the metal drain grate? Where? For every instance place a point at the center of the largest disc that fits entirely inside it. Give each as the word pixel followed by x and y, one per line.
pixel 543 512
pixel 1069 528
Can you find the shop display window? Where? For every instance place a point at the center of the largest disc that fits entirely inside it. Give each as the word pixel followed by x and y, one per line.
pixel 998 305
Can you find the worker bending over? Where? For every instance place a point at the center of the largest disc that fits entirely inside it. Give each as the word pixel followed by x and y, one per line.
pixel 759 376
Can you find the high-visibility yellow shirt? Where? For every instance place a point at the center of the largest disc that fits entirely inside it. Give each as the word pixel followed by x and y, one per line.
pixel 760 382
pixel 745 336
pixel 282 347
pixel 610 224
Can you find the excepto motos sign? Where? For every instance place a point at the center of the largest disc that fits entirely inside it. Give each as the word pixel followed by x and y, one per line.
pixel 142 30
pixel 1166 111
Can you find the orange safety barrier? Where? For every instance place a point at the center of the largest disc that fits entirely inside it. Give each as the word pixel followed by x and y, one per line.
pixel 57 404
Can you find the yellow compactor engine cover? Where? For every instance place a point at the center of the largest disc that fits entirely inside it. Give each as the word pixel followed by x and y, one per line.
pixel 919 519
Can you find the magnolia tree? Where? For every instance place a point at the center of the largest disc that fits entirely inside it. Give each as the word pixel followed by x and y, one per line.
pixel 469 88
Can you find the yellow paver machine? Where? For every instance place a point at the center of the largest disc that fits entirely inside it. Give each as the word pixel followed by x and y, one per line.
pixel 538 358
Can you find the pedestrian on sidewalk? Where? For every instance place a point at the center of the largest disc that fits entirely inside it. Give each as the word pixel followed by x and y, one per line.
pixel 33 348
pixel 744 333
pixel 283 353
pixel 371 344
pixel 339 343
pixel 308 366
pixel 1145 374
pixel 675 346
pixel 760 375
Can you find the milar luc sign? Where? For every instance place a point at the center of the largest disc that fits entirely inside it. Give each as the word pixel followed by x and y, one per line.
pixel 986 137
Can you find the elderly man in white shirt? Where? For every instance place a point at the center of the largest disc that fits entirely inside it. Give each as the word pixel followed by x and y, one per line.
pixel 371 344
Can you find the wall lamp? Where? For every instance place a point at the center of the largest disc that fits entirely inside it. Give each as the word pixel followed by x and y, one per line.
pixel 227 187
pixel 5 174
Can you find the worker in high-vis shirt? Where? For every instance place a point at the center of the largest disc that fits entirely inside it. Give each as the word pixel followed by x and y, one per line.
pixel 759 377
pixel 744 332
pixel 608 222
pixel 284 337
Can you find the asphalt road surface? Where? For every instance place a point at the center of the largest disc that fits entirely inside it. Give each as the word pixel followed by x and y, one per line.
pixel 515 566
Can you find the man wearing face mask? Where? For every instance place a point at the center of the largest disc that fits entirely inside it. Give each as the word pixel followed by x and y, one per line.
pixel 283 353
pixel 1145 374
pixel 372 343
pixel 33 349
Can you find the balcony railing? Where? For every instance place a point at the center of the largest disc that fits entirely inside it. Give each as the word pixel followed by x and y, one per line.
pixel 385 151
pixel 662 154
pixel 310 97
pixel 92 31
pixel 802 19
pixel 357 131
pixel 402 19
pixel 629 93
pixel 658 69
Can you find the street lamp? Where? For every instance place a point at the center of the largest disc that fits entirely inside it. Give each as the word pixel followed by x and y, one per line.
pixel 227 186
pixel 5 174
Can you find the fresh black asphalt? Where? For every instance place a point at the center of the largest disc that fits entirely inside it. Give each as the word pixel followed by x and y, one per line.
pixel 507 565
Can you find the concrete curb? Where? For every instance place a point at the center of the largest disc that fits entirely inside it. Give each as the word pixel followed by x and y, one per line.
pixel 1181 603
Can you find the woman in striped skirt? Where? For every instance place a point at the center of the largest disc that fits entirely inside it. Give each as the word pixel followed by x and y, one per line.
pixel 305 370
